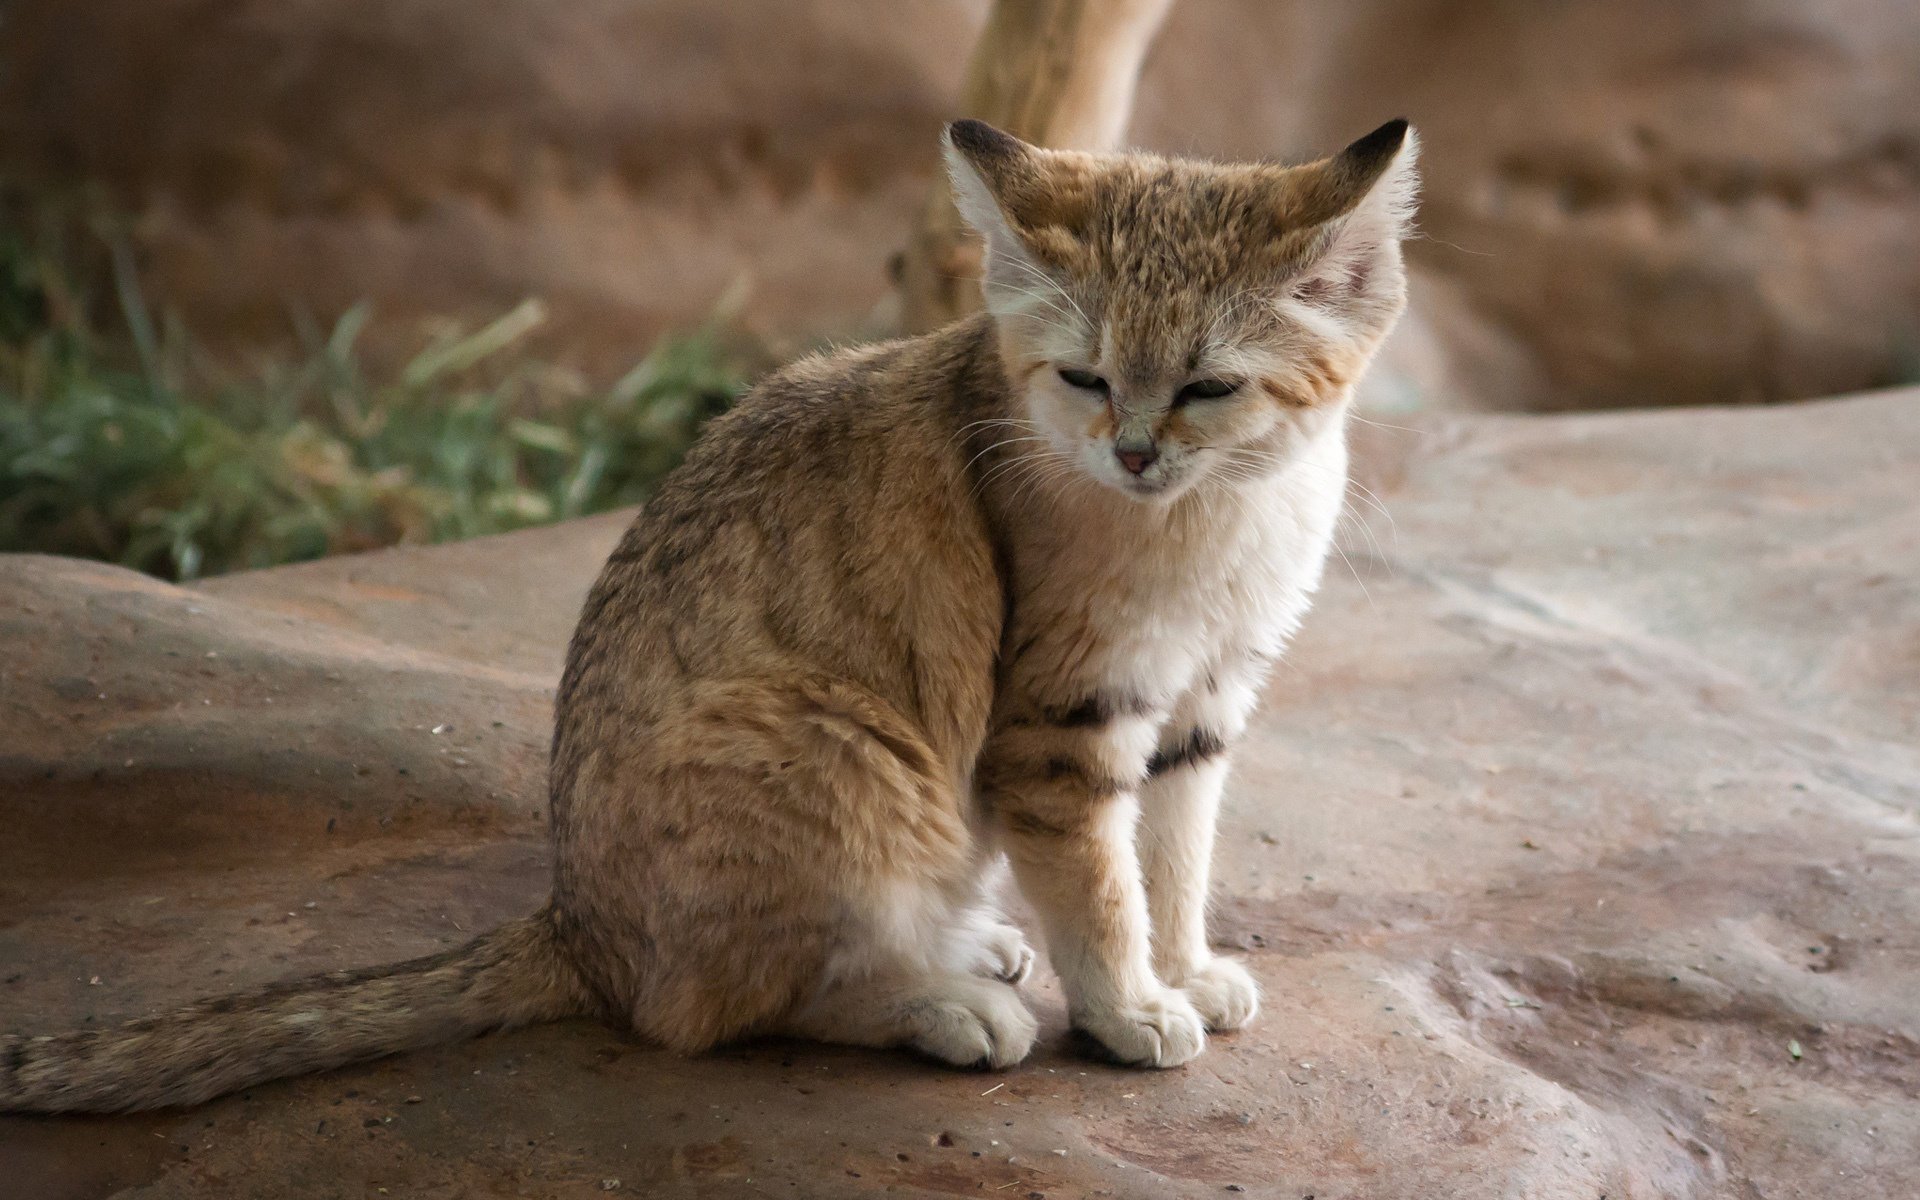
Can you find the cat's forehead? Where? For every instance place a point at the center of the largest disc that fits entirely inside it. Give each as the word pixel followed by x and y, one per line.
pixel 1144 337
pixel 1172 227
pixel 1175 227
pixel 1165 252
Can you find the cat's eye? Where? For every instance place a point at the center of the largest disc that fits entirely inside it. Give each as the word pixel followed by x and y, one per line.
pixel 1084 380
pixel 1205 389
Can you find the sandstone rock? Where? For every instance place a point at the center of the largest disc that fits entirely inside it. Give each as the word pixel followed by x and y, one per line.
pixel 1628 203
pixel 1585 804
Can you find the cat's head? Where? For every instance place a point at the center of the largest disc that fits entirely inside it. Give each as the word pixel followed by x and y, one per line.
pixel 1165 320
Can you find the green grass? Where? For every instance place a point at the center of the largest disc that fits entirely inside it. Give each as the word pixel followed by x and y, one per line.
pixel 121 440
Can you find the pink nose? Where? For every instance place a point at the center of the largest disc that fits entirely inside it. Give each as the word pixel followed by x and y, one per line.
pixel 1136 461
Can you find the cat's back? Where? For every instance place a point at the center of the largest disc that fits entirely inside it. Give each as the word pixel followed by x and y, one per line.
pixel 879 419
pixel 826 526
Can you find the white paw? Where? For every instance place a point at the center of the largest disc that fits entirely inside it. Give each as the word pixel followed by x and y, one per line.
pixel 1161 1031
pixel 978 1023
pixel 1003 953
pixel 1223 993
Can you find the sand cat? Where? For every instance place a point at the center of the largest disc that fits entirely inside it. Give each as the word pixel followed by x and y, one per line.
pixel 1004 592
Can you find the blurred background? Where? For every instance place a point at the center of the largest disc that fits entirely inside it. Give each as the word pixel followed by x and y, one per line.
pixel 281 278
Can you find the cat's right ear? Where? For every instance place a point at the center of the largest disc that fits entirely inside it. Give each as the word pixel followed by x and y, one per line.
pixel 983 163
pixel 1027 204
pixel 992 172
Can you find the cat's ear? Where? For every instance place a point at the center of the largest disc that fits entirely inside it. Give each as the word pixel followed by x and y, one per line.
pixel 1354 209
pixel 985 164
pixel 1013 196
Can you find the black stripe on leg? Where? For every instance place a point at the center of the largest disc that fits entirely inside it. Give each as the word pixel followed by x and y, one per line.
pixel 1096 709
pixel 1021 824
pixel 1197 747
pixel 1089 778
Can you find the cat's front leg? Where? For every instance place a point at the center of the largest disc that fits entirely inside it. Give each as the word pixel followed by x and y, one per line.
pixel 1180 804
pixel 1062 782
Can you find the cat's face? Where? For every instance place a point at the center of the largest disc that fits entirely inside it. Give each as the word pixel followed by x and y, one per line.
pixel 1169 323
pixel 1152 402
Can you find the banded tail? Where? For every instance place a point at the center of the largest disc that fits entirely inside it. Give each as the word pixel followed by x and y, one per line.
pixel 515 975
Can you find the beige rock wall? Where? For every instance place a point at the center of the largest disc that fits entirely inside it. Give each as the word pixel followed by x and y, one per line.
pixel 1630 201
pixel 1710 201
pixel 628 161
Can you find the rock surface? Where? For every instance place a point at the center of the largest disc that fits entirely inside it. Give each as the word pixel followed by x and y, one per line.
pixel 1575 848
pixel 1630 202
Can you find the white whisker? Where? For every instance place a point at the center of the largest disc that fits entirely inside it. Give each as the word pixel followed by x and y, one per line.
pixel 995 446
pixel 1354 416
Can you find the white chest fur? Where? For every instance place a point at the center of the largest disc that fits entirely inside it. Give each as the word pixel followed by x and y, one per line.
pixel 1161 597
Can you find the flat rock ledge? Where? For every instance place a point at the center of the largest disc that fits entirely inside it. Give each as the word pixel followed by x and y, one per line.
pixel 1575 850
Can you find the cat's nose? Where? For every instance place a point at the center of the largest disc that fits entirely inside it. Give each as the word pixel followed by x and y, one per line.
pixel 1136 458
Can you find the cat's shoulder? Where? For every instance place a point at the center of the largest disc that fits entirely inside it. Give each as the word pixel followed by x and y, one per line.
pixel 863 391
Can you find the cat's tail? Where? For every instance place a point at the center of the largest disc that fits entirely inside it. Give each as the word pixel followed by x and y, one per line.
pixel 516 975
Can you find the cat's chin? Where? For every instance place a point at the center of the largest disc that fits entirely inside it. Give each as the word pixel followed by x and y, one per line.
pixel 1150 492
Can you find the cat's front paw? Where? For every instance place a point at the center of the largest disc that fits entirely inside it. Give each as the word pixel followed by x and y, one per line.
pixel 1162 1030
pixel 978 1023
pixel 1223 993
pixel 1003 953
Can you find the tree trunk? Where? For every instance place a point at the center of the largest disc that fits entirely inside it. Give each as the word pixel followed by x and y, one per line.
pixel 1058 73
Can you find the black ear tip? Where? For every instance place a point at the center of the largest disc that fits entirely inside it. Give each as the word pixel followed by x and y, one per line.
pixel 979 138
pixel 1381 142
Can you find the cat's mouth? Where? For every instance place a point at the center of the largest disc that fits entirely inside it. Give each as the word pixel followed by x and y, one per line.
pixel 1140 488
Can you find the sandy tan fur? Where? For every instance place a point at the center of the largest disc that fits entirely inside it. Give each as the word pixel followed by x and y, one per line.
pixel 511 976
pixel 900 612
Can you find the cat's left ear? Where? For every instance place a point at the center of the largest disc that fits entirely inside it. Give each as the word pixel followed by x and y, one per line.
pixel 1352 210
